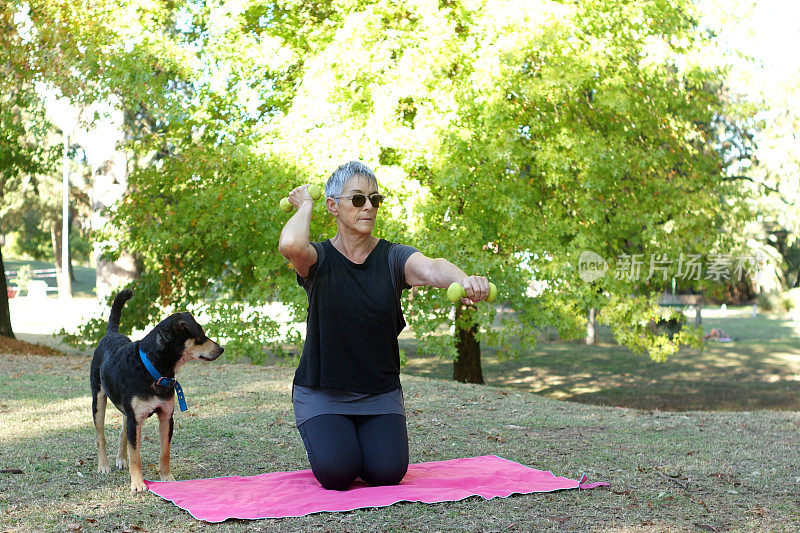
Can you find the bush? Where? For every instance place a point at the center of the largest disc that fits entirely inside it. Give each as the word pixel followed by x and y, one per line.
pixel 24 276
pixel 775 301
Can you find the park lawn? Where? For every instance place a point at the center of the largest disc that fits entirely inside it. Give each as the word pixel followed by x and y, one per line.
pixel 668 470
pixel 760 369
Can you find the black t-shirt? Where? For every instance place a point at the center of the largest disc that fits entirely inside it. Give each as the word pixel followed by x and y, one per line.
pixel 354 318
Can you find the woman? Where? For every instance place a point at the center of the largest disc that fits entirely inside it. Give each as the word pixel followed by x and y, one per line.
pixel 347 397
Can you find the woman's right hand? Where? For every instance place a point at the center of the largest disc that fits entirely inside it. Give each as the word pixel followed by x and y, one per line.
pixel 300 196
pixel 294 243
pixel 476 288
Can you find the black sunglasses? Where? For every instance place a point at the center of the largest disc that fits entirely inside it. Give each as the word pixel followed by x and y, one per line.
pixel 359 199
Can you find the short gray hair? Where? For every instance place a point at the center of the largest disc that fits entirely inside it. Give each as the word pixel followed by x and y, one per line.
pixel 343 174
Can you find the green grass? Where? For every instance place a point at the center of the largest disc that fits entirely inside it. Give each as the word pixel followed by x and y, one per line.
pixel 668 470
pixel 83 285
pixel 759 370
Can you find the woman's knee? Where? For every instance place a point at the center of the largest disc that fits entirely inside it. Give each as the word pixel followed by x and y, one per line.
pixel 384 445
pixel 336 476
pixel 384 474
pixel 332 450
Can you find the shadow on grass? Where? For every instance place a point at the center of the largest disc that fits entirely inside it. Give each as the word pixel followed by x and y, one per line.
pixel 759 370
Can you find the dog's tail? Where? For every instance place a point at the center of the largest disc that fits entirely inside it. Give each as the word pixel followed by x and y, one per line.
pixel 116 310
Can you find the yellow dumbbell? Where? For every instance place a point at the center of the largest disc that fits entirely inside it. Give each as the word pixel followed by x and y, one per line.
pixel 455 292
pixel 314 190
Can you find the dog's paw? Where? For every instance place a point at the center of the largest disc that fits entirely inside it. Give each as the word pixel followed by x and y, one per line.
pixel 122 463
pixel 138 486
pixel 168 477
pixel 104 469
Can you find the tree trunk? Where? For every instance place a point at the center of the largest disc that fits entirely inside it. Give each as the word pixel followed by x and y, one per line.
pixel 108 187
pixel 70 222
pixel 55 237
pixel 5 313
pixel 60 256
pixel 111 275
pixel 591 327
pixel 467 366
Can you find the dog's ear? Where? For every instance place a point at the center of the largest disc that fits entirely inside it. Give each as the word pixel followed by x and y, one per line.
pixel 187 324
pixel 161 338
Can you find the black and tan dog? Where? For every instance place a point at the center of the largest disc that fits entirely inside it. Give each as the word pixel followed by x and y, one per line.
pixel 119 373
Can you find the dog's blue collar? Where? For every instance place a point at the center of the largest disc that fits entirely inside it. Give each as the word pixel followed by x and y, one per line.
pixel 164 382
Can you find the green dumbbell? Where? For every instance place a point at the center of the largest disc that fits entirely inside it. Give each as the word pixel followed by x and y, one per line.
pixel 315 192
pixel 455 292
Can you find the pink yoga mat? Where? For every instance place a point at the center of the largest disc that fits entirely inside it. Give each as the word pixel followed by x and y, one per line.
pixel 288 494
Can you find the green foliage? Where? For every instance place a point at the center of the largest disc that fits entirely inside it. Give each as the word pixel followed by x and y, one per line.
pixel 769 166
pixel 509 136
pixel 581 140
pixel 775 301
pixel 204 224
pixel 631 320
pixel 21 152
pixel 108 50
pixel 32 241
pixel 247 331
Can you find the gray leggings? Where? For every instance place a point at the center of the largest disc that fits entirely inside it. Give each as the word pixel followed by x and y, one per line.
pixel 344 447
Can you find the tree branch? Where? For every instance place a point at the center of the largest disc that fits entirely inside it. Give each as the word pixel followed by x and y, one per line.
pixel 767 187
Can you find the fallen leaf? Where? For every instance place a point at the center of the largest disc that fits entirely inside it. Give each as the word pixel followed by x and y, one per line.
pixel 758 511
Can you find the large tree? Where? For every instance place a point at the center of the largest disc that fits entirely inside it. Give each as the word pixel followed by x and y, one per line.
pixel 21 118
pixel 767 81
pixel 511 137
pixel 84 53
pixel 531 132
pixel 597 134
pixel 201 208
